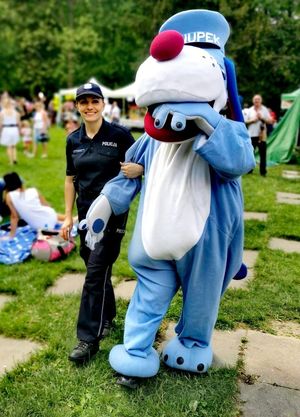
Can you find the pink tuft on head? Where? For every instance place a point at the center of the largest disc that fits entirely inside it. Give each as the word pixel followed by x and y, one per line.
pixel 166 45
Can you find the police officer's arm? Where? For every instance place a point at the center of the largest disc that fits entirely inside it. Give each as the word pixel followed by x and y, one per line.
pixel 132 170
pixel 69 204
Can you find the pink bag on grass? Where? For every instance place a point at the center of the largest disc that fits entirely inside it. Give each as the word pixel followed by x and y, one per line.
pixel 50 246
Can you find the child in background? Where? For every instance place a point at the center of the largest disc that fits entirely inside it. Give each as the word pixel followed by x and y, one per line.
pixel 26 133
pixel 71 124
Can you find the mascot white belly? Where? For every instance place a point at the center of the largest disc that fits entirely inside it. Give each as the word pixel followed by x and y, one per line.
pixel 172 225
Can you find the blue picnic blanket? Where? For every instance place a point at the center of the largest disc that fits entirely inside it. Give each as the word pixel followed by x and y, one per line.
pixel 17 249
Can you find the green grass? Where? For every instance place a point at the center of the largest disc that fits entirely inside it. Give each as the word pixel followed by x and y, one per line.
pixel 49 386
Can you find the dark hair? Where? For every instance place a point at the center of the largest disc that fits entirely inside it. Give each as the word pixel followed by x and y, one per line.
pixel 12 181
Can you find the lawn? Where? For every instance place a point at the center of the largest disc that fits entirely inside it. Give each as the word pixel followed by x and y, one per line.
pixel 49 386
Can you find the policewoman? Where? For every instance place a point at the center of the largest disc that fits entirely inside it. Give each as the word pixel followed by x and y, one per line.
pixel 95 153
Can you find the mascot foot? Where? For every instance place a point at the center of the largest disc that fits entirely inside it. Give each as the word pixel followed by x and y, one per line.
pixel 195 359
pixel 134 366
pixel 127 382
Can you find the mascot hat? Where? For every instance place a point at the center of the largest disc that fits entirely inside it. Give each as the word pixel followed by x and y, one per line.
pixel 210 31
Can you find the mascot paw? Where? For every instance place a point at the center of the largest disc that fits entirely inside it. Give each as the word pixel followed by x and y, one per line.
pixel 131 365
pixel 205 117
pixel 195 359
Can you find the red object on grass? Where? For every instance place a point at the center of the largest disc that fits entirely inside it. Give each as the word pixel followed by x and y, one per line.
pixel 167 45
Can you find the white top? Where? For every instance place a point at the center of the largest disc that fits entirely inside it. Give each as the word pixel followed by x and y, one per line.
pixel 254 128
pixel 115 113
pixel 38 121
pixel 10 130
pixel 28 205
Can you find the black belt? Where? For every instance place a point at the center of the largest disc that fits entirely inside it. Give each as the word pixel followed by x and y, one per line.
pixel 9 125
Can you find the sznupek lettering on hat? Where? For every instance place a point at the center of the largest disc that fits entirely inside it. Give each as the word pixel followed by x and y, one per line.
pixel 89 89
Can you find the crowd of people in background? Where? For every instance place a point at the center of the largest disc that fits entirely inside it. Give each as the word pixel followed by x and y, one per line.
pixel 26 122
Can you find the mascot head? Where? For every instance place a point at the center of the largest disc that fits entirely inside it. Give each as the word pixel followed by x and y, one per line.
pixel 187 63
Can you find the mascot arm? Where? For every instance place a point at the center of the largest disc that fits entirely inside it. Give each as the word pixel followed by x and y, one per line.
pixel 205 117
pixel 115 197
pixel 120 191
pixel 96 220
pixel 228 150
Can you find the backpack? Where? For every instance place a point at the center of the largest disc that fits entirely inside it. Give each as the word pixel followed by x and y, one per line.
pixel 50 246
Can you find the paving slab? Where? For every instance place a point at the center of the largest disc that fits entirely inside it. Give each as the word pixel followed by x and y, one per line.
pixel 251 215
pixel 291 175
pixel 286 328
pixel 249 258
pixel 67 284
pixel 5 299
pixel 14 351
pixel 264 400
pixel 226 345
pixel 288 198
pixel 274 359
pixel 285 245
pixel 125 289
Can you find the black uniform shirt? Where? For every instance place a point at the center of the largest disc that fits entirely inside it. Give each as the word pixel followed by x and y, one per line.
pixel 95 161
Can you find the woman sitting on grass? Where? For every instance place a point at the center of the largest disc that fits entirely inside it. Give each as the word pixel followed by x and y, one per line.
pixel 29 205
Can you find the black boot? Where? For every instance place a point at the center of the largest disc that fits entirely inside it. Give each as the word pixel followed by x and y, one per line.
pixel 84 351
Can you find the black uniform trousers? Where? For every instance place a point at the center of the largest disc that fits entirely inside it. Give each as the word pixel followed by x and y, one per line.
pixel 98 300
pixel 262 149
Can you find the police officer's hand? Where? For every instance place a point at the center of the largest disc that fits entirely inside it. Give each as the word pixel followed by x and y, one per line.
pixel 131 170
pixel 66 228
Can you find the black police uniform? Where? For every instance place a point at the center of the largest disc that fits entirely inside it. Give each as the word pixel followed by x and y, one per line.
pixel 93 163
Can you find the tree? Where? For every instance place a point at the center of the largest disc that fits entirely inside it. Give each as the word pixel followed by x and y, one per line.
pixel 46 45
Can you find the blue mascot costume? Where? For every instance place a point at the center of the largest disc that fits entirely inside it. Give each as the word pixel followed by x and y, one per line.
pixel 189 226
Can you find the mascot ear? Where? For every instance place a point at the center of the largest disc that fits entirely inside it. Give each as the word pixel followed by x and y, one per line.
pixel 235 109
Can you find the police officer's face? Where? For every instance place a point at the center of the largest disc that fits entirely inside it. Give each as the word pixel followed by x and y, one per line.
pixel 90 108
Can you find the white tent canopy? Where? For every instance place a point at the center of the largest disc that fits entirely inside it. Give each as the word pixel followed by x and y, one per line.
pixel 127 92
pixel 72 91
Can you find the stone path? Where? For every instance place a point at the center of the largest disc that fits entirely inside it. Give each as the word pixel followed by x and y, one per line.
pixel 250 215
pixel 249 259
pixel 68 284
pixel 288 198
pixel 285 245
pixel 14 351
pixel 5 299
pixel 270 377
pixel 291 175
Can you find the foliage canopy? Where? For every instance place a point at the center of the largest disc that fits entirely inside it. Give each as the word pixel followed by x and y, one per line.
pixel 47 45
